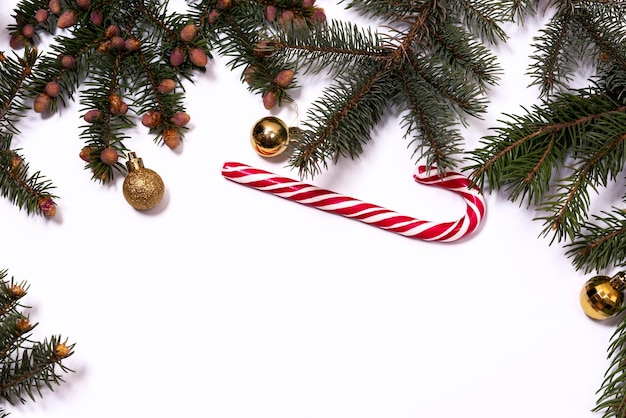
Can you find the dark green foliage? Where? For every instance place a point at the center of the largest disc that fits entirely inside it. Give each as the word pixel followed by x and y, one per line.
pixel 431 69
pixel 27 367
pixel 558 155
pixel 24 189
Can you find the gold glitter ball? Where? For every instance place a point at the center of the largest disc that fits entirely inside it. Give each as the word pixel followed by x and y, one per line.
pixel 269 136
pixel 602 297
pixel 143 188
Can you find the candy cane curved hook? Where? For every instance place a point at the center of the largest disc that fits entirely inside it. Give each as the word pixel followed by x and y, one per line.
pixel 368 213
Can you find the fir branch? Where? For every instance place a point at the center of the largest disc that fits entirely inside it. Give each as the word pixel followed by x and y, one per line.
pixel 26 366
pixel 612 393
pixel 340 122
pixel 602 244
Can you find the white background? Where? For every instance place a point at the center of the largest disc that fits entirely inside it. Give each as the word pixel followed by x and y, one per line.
pixel 226 302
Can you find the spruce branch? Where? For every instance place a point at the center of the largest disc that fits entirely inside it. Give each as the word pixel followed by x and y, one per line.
pixel 26 190
pixel 557 155
pixel 611 402
pixel 432 67
pixel 27 367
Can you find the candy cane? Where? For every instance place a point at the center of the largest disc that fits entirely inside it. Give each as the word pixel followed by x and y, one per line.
pixel 368 213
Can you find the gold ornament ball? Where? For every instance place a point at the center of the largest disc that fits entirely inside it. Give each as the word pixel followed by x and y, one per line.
pixel 269 136
pixel 143 188
pixel 602 296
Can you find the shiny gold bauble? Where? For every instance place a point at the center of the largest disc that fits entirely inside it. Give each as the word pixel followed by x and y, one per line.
pixel 602 297
pixel 143 188
pixel 269 136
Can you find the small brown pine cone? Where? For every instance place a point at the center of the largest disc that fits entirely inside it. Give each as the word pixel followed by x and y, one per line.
pixel 42 103
pixel 198 57
pixel 112 30
pixel 224 4
pixel 284 78
pixel 61 350
pixel 188 33
pixel 17 163
pixel 177 57
pixel 115 103
pixel 118 43
pixel 249 74
pixel 132 44
pixel 16 41
pixel 96 17
pixel 308 3
pixel 263 49
pixel 93 115
pixel 83 4
pixel 318 15
pixel 213 16
pixel 55 6
pixel 85 154
pixel 104 47
pixel 123 109
pixel 17 291
pixel 47 206
pixel 109 156
pixel 287 16
pixel 67 19
pixel 53 89
pixel 41 16
pixel 269 99
pixel 23 325
pixel 28 31
pixel 180 119
pixel 68 62
pixel 270 13
pixel 171 138
pixel 167 85
pixel 151 119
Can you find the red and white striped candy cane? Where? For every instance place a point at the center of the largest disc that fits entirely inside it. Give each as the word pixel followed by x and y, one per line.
pixel 368 213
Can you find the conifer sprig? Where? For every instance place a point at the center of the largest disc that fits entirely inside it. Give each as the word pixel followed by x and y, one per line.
pixel 27 367
pixel 26 190
pixel 557 155
pixel 431 67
